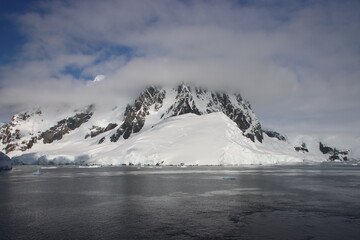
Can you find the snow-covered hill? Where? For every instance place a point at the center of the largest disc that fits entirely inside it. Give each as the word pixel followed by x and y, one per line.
pixel 210 139
pixel 185 124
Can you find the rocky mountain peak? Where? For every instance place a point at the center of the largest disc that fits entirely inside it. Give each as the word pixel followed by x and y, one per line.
pixel 334 153
pixel 188 99
pixel 135 115
pixel 184 103
pixel 202 101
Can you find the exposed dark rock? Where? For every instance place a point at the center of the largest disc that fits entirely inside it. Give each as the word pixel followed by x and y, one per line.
pixel 325 149
pixel 240 111
pixel 13 139
pixel 274 134
pixel 17 134
pixel 134 117
pixel 184 103
pixel 101 140
pixel 28 144
pixel 10 147
pixel 302 148
pixel 64 127
pixel 9 132
pixel 95 131
pixel 110 126
pixel 23 116
pixel 5 162
pixel 334 154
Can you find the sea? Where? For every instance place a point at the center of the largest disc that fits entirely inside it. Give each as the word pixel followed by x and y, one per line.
pixel 194 202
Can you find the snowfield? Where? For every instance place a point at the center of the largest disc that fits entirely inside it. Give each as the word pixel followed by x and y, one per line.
pixel 171 126
pixel 211 139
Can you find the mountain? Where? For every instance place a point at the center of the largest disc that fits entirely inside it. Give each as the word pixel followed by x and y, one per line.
pixel 185 124
pixel 160 104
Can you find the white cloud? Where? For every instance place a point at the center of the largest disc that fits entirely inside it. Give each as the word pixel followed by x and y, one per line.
pixel 296 62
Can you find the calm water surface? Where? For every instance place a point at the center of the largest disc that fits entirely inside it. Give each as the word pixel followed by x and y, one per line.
pixel 307 202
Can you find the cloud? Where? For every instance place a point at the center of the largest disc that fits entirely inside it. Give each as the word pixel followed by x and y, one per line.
pixel 296 62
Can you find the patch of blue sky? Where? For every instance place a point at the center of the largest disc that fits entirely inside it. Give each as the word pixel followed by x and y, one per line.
pixel 76 72
pixel 11 39
pixel 103 52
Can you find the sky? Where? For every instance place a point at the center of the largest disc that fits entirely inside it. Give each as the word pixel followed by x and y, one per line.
pixel 297 62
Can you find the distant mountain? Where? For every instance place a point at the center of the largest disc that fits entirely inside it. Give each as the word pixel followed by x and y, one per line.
pixel 185 124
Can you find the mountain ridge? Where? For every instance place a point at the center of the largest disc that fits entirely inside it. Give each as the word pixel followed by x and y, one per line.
pixel 153 105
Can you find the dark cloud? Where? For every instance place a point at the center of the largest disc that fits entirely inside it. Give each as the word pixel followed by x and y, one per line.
pixel 296 61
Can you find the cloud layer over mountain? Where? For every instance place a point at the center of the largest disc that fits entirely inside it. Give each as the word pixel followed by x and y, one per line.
pixel 296 61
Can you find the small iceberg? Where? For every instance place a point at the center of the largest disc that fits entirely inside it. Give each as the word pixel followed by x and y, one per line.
pixel 38 172
pixel 89 166
pixel 49 167
pixel 229 178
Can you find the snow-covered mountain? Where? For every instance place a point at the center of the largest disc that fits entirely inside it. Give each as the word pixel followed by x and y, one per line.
pixel 185 124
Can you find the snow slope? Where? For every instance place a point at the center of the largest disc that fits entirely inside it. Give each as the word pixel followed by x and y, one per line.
pixel 177 125
pixel 211 139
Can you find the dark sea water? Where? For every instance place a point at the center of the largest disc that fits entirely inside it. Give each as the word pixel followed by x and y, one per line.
pixel 297 202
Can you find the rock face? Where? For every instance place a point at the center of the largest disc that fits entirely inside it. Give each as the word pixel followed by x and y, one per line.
pixel 10 135
pixel 5 162
pixel 18 135
pixel 274 134
pixel 135 115
pixel 64 127
pixel 333 153
pixel 188 99
pixel 302 148
pixel 201 101
pixel 96 130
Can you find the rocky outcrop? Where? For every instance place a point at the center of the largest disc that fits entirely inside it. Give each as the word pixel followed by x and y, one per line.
pixel 101 140
pixel 134 117
pixel 5 162
pixel 274 134
pixel 333 153
pixel 303 148
pixel 64 127
pixel 95 130
pixel 202 101
pixel 184 103
pixel 10 133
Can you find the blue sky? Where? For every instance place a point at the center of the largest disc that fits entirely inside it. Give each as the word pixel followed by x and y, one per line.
pixel 11 39
pixel 296 61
